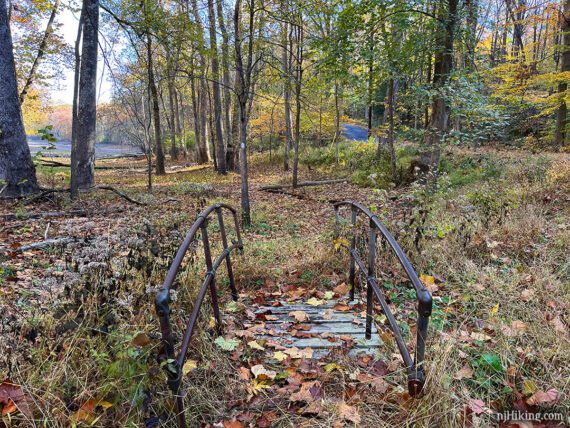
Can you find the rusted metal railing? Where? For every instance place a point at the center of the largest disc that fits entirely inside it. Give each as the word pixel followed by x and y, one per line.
pixel 414 366
pixel 167 354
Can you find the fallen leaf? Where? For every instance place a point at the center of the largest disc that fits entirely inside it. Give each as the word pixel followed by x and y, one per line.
pixel 527 294
pixel 315 302
pixel 558 325
pixel 226 345
pixel 189 366
pixel 271 318
pixel 261 372
pixel 300 316
pixel 348 413
pixel 254 345
pixel 481 337
pixel 540 397
pixel 328 295
pixel 477 406
pixel 429 282
pixel 233 424
pixel 529 387
pixel 309 392
pixel 244 373
pixel 140 340
pixel 328 314
pixel 13 398
pixel 516 329
pixel 495 309
pixel 295 353
pixel 332 366
pixel 464 373
pixel 341 289
pixel 280 356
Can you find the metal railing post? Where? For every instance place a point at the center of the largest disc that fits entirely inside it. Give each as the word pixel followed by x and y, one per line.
pixel 228 260
pixel 352 270
pixel 213 290
pixel 371 274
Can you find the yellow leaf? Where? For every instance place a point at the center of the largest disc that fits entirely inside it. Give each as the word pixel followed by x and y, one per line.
pixel 315 302
pixel 495 309
pixel 427 279
pixel 188 366
pixel 254 345
pixel 340 242
pixel 529 387
pixel 332 366
pixel 279 356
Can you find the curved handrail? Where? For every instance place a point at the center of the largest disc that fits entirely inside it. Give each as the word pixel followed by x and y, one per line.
pixel 415 366
pixel 163 300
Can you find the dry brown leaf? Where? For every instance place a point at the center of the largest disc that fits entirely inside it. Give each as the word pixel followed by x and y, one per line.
pixel 527 294
pixel 540 397
pixel 300 316
pixel 516 329
pixel 464 373
pixel 341 289
pixel 233 424
pixel 348 413
pixel 328 314
pixel 477 406
pixel 13 398
pixel 141 340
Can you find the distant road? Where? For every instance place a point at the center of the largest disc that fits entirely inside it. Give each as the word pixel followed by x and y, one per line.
pixel 63 149
pixel 354 132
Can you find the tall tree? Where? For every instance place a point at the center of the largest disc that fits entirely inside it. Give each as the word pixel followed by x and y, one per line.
pixel 83 144
pixel 17 172
pixel 561 133
pixel 217 100
pixel 41 52
pixel 443 65
pixel 245 74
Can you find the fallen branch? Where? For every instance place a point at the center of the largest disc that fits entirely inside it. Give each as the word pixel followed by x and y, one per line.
pixel 75 213
pixel 46 162
pixel 117 192
pixel 303 184
pixel 47 243
pixel 101 187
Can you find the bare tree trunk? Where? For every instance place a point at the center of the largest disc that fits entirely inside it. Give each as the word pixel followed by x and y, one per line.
pixel 244 91
pixel 17 172
pixel 285 55
pixel 226 95
pixel 217 101
pixel 83 149
pixel 442 68
pixel 41 52
pixel 155 108
pixel 336 122
pixel 298 83
pixel 201 88
pixel 560 135
pixel 201 154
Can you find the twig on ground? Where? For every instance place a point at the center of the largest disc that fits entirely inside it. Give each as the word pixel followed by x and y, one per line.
pixel 47 243
pixel 303 184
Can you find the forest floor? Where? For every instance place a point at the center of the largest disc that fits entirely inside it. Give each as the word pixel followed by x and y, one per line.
pixel 79 335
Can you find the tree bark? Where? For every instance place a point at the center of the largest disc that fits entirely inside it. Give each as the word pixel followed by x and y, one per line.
pixel 217 101
pixel 83 148
pixel 298 84
pixel 41 52
pixel 226 95
pixel 17 172
pixel 285 55
pixel 443 66
pixel 160 170
pixel 561 134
